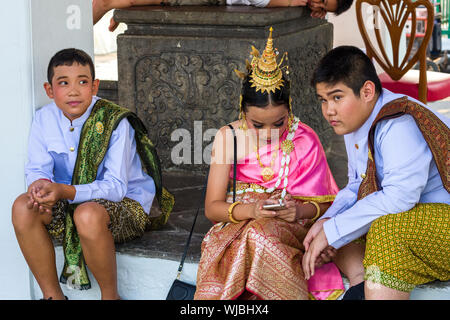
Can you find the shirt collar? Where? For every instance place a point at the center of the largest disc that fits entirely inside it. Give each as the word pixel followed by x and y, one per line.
pixel 78 122
pixel 363 131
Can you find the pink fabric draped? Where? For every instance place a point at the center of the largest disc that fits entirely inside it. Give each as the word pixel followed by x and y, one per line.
pixel 309 177
pixel 309 174
pixel 326 283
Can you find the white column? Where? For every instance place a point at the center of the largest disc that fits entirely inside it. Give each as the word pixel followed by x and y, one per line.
pixel 31 31
pixel 16 100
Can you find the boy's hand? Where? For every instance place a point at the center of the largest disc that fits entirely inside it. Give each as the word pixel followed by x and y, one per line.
pixel 316 4
pixel 35 187
pixel 320 13
pixel 318 8
pixel 52 193
pixel 314 251
pixel 326 256
pixel 313 231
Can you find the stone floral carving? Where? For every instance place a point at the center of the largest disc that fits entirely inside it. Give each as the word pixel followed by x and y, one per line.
pixel 174 89
pixel 303 60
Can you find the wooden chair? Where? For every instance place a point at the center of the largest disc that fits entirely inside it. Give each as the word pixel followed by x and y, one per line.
pixel 398 76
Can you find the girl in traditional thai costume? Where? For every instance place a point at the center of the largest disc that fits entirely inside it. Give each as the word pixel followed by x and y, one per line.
pixel 251 252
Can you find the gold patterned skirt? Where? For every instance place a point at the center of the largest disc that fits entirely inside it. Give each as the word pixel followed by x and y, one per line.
pixel 409 248
pixel 262 257
pixel 128 219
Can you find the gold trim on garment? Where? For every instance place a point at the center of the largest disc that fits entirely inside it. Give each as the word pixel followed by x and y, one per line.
pixel 243 187
pixel 320 199
pixel 333 296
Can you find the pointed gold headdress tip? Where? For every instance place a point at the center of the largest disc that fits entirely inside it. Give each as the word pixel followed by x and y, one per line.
pixel 264 72
pixel 248 65
pixel 254 52
pixel 240 74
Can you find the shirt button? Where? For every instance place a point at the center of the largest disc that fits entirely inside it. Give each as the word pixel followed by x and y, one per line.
pixel 72 149
pixel 356 146
pixel 71 129
pixel 363 175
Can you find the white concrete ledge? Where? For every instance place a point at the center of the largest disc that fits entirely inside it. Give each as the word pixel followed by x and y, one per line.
pixel 139 278
pixel 143 278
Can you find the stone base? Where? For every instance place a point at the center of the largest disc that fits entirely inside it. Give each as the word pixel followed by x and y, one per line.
pixel 108 90
pixel 176 70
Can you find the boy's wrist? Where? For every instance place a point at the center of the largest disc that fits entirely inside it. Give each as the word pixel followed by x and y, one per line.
pixel 68 191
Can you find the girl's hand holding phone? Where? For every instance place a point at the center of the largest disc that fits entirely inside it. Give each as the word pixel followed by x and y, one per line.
pixel 286 210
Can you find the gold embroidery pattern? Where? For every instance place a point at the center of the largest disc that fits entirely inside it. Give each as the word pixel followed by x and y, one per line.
pixel 99 127
pixel 128 219
pixel 261 256
pixel 243 187
pixel 409 248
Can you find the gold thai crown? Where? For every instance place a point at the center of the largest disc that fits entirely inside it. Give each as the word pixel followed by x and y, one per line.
pixel 264 71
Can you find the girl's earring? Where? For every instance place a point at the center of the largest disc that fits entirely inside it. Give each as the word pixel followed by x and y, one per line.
pixel 243 125
pixel 243 121
pixel 291 115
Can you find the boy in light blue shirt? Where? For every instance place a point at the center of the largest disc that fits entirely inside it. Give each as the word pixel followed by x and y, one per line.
pixel 86 183
pixel 398 185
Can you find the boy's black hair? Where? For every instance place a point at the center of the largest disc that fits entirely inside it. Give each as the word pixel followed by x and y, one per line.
pixel 342 6
pixel 67 57
pixel 349 65
pixel 252 98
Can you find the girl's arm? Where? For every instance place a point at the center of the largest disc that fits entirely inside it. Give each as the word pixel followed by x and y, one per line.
pixel 216 207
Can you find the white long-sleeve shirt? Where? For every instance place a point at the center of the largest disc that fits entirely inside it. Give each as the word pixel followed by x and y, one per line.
pixel 53 149
pixel 406 172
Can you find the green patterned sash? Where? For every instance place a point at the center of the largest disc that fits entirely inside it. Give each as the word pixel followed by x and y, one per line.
pixel 93 145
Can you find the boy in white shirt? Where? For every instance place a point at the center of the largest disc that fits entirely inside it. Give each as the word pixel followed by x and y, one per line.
pixel 85 181
pixel 398 182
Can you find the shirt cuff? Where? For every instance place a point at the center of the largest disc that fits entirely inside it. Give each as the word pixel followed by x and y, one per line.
pixel 332 234
pixel 83 193
pixel 331 212
pixel 30 179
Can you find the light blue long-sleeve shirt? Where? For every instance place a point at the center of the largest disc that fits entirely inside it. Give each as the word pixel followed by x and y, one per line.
pixel 406 172
pixel 53 149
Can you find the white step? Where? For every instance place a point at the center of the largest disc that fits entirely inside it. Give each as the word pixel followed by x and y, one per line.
pixel 144 278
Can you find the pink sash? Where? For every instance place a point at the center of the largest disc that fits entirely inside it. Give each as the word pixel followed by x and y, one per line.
pixel 326 283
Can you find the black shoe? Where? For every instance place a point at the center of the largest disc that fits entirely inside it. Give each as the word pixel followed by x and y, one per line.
pixel 51 298
pixel 355 292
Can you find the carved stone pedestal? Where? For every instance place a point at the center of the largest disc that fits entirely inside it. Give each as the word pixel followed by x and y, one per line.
pixel 176 70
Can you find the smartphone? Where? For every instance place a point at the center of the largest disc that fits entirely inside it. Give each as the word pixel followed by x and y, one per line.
pixel 274 207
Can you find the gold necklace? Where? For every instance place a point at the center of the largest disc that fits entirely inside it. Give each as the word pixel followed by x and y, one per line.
pixel 267 172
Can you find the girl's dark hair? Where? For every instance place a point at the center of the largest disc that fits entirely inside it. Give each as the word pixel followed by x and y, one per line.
pixel 67 57
pixel 342 6
pixel 258 99
pixel 349 65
